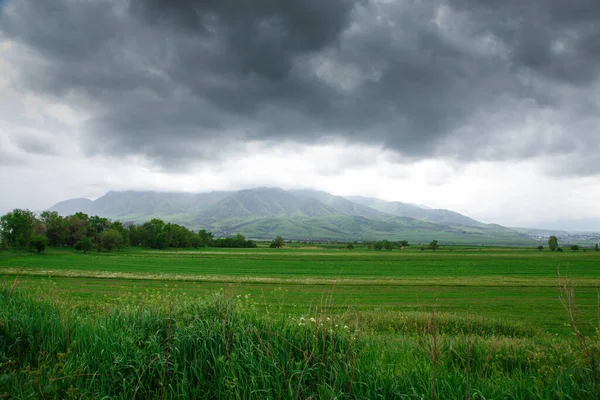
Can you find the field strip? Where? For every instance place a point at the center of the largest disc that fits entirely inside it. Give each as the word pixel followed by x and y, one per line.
pixel 488 281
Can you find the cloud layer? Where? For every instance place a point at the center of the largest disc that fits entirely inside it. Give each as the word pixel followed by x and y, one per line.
pixel 181 81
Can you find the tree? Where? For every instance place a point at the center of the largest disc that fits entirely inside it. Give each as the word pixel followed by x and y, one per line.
pixel 97 225
pixel 55 227
pixel 540 247
pixel 195 241
pixel 85 244
pixel 152 234
pixel 206 238
pixel 277 243
pixel 38 243
pixel 434 245
pixel 350 246
pixel 378 245
pixel 78 227
pixel 553 243
pixel 596 247
pixel 238 241
pixel 16 228
pixel 109 239
pixel 574 247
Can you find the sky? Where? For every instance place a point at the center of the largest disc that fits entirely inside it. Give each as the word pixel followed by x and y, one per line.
pixel 488 108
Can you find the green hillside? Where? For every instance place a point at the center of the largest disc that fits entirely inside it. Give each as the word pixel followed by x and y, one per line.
pixel 263 213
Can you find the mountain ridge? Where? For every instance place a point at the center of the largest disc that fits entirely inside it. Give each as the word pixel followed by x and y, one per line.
pixel 305 214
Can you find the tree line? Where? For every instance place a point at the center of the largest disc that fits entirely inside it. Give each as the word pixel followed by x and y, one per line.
pixel 23 229
pixel 386 244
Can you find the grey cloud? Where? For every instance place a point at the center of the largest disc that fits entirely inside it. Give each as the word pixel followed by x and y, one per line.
pixel 8 159
pixel 180 81
pixel 34 144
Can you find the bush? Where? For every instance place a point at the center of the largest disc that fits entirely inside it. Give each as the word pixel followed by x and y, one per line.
pixel 38 243
pixel 85 244
pixel 277 243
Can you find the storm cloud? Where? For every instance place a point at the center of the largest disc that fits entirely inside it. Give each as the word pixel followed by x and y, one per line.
pixel 188 80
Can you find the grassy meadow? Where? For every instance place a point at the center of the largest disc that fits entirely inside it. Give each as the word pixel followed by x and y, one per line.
pixel 326 322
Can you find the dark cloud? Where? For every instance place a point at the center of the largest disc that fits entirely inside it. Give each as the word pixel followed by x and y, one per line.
pixel 35 144
pixel 183 80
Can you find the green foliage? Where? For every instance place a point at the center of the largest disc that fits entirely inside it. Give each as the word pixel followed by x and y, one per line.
pixel 540 247
pixel 574 247
pixel 553 243
pixel 434 245
pixel 85 244
pixel 38 243
pixel 237 241
pixel 596 247
pixel 350 246
pixel 195 241
pixel 206 238
pixel 16 228
pixel 223 347
pixel 277 243
pixel 78 226
pixel 559 249
pixel 109 239
pixel 56 228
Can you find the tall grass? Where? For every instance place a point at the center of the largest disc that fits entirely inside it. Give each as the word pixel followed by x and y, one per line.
pixel 226 346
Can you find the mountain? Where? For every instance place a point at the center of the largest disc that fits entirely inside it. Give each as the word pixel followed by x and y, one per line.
pixel 139 206
pixel 410 210
pixel 341 204
pixel 264 213
pixel 72 206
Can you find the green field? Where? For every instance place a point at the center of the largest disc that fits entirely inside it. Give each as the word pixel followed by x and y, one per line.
pixel 304 322
pixel 507 284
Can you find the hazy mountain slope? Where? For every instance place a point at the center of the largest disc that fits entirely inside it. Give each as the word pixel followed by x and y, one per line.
pixel 142 205
pixel 350 228
pixel 262 202
pixel 339 203
pixel 400 209
pixel 264 213
pixel 389 207
pixel 72 206
pixel 133 203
